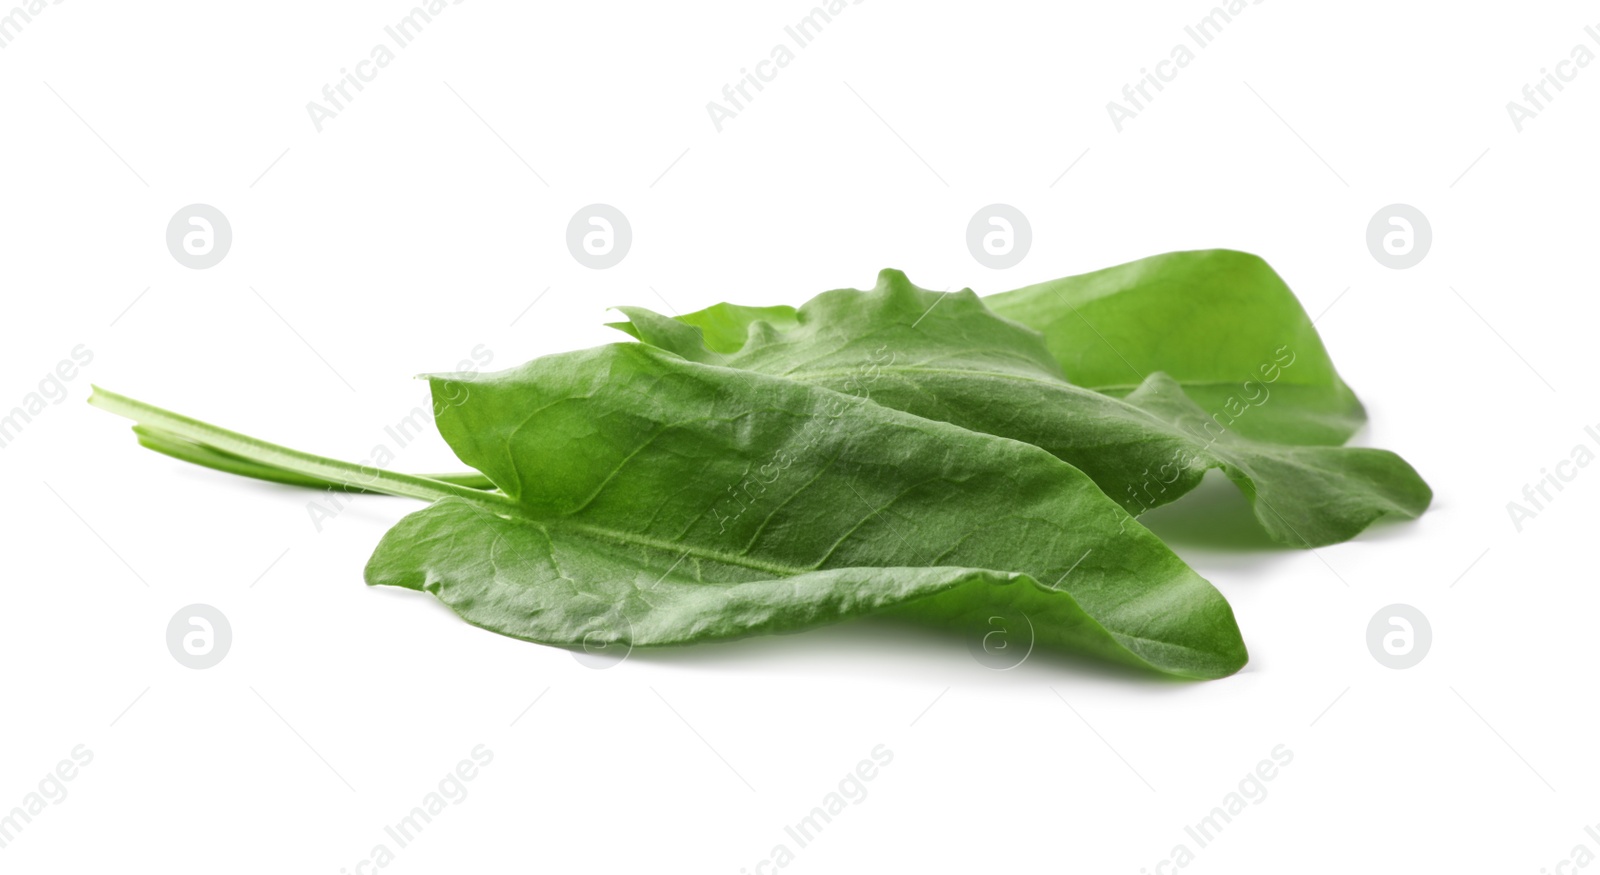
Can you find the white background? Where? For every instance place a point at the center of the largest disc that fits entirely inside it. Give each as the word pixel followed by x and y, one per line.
pixel 415 226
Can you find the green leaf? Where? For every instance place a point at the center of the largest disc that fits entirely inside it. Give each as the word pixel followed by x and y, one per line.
pixel 1216 321
pixel 947 357
pixel 660 501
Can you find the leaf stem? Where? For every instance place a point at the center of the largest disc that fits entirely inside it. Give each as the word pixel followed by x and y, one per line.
pixel 211 446
pixel 152 438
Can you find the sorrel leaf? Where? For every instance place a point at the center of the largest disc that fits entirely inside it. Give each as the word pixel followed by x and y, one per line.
pixel 947 357
pixel 1213 320
pixel 651 500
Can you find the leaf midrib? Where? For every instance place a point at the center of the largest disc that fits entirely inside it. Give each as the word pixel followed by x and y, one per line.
pixel 915 369
pixel 523 513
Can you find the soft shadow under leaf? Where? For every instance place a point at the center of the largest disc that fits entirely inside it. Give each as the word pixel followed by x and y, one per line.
pixel 1214 515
